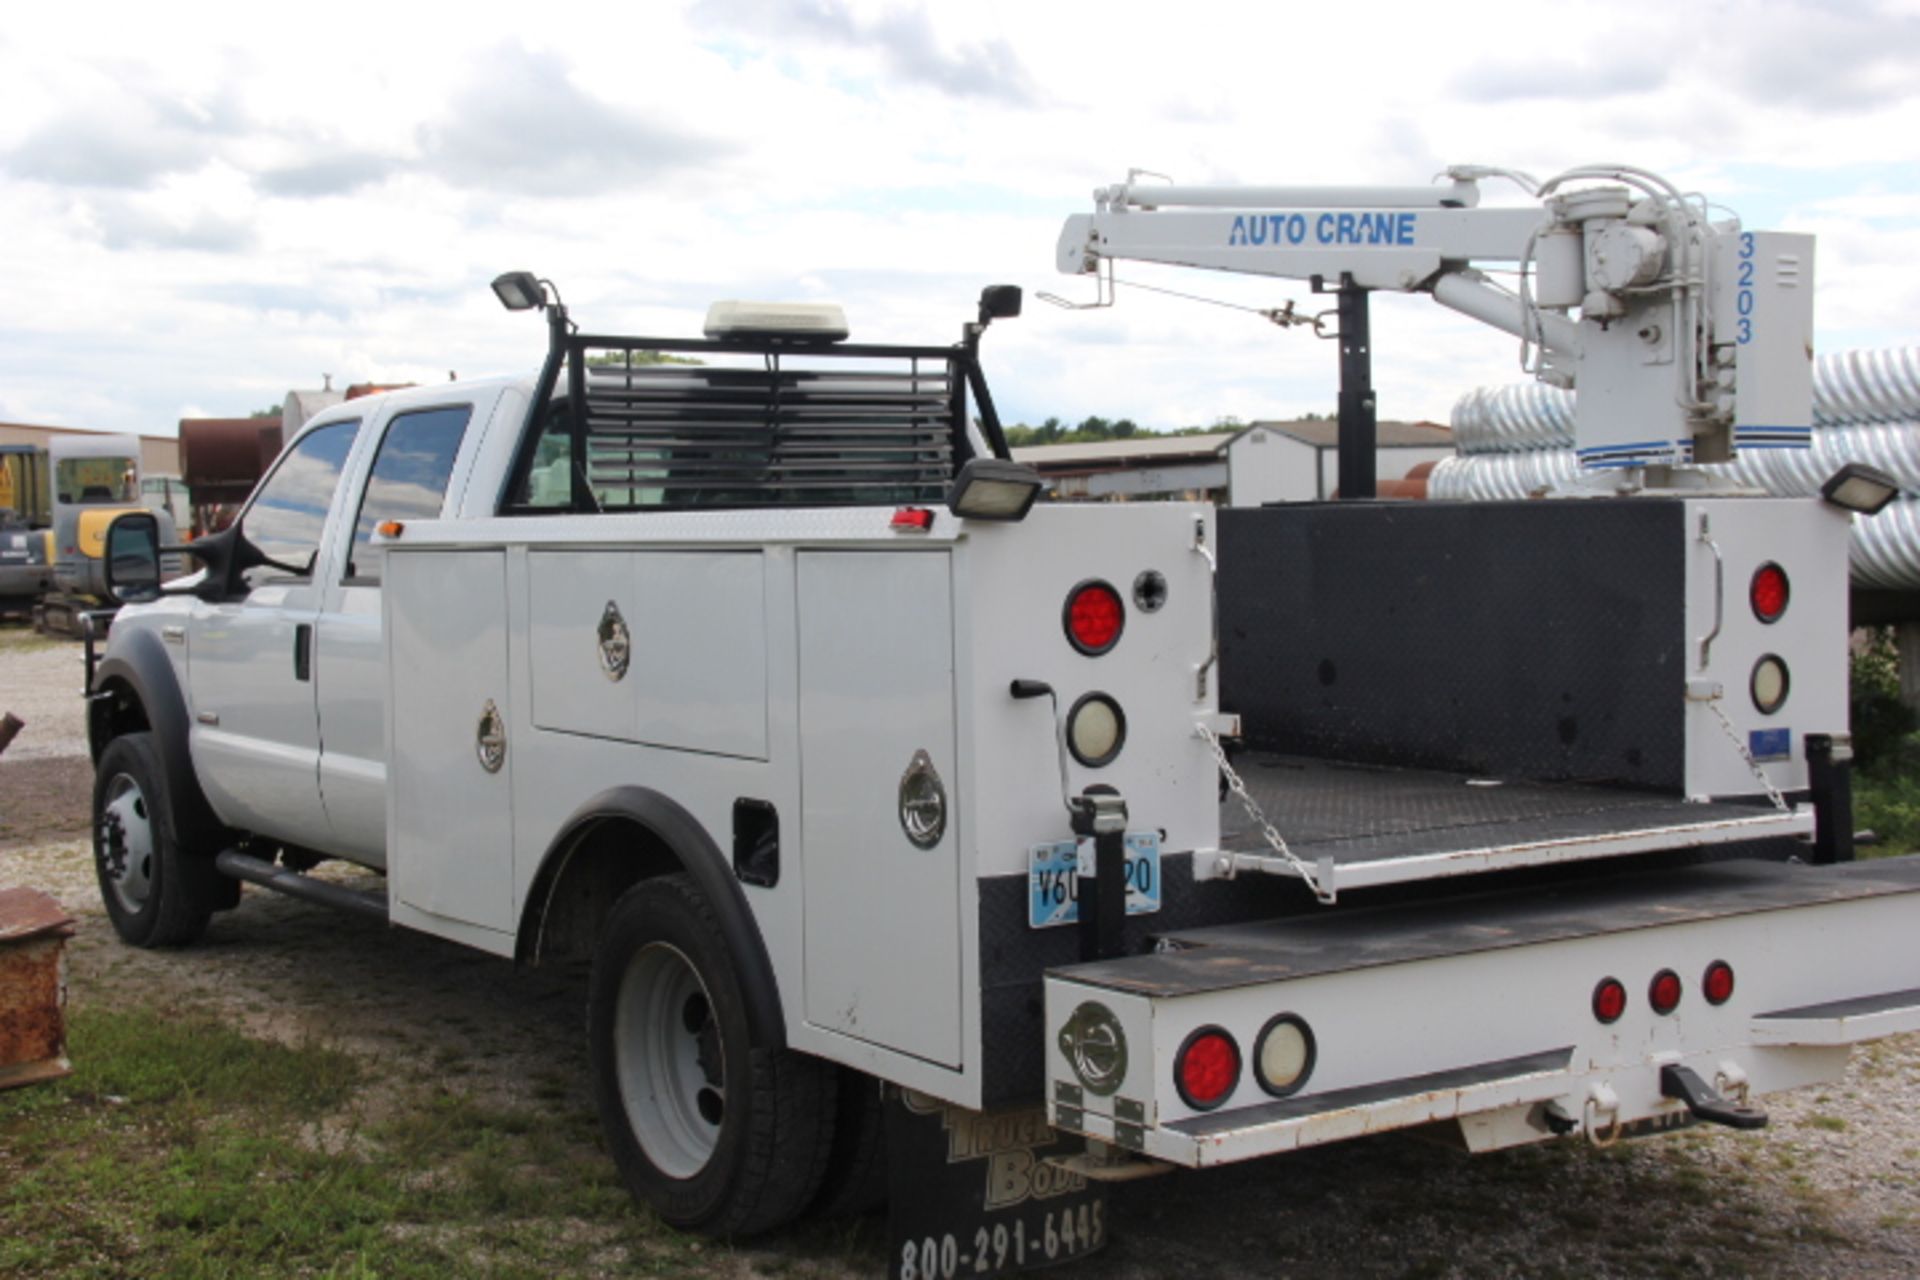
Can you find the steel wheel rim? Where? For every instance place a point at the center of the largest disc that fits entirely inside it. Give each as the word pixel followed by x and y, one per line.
pixel 126 843
pixel 668 1060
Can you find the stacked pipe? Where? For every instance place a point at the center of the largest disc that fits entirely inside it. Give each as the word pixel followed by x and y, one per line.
pixel 1516 440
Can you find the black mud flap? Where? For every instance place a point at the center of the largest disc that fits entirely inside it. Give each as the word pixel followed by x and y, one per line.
pixel 972 1193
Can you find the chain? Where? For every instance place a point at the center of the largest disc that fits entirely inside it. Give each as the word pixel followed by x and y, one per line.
pixel 1733 736
pixel 1277 842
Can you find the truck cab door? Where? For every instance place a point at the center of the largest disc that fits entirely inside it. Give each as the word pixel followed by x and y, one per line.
pixel 412 465
pixel 255 735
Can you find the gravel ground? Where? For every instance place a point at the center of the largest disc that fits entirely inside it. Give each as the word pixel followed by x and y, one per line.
pixel 40 682
pixel 1832 1189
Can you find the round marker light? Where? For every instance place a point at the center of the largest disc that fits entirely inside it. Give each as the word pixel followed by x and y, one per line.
pixel 1769 684
pixel 1717 984
pixel 1609 1000
pixel 1768 592
pixel 1094 617
pixel 1283 1055
pixel 1096 730
pixel 1664 993
pixel 1206 1068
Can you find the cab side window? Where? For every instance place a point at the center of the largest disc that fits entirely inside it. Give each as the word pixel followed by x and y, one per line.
pixel 409 479
pixel 290 509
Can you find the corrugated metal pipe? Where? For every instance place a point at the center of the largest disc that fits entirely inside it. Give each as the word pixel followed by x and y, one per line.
pixel 1516 441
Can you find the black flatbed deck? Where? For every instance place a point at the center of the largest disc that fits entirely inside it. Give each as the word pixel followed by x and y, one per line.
pixel 1378 825
pixel 1223 957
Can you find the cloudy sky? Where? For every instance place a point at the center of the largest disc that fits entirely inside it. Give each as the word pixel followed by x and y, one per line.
pixel 204 206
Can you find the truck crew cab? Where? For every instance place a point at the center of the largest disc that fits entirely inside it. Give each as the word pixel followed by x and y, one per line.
pixel 757 679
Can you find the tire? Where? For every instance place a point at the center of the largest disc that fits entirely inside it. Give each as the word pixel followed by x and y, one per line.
pixel 711 1131
pixel 156 893
pixel 856 1181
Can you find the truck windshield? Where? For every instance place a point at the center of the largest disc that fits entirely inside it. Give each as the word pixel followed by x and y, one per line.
pixel 88 481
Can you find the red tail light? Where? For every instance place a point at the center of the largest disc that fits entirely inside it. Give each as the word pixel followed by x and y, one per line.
pixel 1768 592
pixel 1664 994
pixel 1206 1068
pixel 1094 617
pixel 1609 1000
pixel 1717 985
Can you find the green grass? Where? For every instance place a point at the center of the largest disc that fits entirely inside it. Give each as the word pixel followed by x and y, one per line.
pixel 183 1148
pixel 1886 801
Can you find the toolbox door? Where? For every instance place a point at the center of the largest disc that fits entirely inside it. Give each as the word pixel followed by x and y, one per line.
pixel 450 779
pixel 876 704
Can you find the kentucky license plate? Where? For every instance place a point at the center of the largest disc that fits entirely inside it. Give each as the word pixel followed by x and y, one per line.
pixel 1053 873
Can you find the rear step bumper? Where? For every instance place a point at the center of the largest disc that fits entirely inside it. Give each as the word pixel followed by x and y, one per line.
pixel 1481 1013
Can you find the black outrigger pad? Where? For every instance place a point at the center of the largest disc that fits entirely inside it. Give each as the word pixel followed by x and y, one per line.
pixel 972 1193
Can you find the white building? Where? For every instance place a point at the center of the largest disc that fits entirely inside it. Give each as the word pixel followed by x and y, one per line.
pixel 1136 467
pixel 1300 461
pixel 1263 462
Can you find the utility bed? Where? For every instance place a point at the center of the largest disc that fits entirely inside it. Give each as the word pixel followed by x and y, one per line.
pixel 1376 825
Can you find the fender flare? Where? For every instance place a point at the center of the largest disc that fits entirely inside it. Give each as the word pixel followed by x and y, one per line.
pixel 687 840
pixel 140 660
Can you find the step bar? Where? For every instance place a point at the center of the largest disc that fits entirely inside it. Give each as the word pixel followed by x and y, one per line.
pixel 244 866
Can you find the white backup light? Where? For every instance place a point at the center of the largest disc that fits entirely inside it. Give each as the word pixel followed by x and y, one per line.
pixel 1769 684
pixel 1096 730
pixel 1284 1055
pixel 819 321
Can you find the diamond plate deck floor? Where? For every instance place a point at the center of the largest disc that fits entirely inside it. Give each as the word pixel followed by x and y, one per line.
pixel 1361 813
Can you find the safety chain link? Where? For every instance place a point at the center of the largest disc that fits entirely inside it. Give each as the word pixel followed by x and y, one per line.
pixel 1278 843
pixel 1733 736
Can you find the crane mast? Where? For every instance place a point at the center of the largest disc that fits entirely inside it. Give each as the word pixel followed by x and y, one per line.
pixel 1687 338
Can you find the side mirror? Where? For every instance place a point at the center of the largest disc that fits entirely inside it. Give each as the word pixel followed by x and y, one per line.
pixel 999 302
pixel 133 557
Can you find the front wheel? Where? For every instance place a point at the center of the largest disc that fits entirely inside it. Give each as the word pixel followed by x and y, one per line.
pixel 156 893
pixel 712 1131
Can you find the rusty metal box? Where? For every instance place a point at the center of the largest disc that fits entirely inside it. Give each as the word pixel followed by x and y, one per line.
pixel 33 987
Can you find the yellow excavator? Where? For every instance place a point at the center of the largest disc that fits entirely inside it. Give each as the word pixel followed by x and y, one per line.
pixel 72 492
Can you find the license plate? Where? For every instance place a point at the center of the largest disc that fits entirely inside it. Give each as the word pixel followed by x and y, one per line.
pixel 1054 872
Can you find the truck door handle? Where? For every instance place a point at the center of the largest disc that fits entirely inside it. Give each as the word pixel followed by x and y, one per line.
pixel 303 651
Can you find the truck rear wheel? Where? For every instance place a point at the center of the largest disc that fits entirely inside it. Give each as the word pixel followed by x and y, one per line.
pixel 856 1181
pixel 156 893
pixel 712 1131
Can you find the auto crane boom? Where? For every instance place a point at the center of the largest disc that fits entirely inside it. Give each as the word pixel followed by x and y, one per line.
pixel 1688 338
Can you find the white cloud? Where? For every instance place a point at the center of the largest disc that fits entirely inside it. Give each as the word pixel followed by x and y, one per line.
pixel 216 210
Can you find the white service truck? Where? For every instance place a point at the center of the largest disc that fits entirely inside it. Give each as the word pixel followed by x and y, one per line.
pixel 763 685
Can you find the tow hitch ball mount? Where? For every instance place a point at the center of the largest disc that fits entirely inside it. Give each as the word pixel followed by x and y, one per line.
pixel 1705 1102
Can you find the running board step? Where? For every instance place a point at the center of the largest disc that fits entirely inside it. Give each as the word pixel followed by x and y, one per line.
pixel 242 866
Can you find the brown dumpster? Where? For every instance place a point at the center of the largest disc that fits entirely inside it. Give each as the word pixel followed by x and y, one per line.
pixel 33 987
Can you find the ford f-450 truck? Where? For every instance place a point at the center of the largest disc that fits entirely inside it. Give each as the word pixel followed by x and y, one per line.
pixel 758 680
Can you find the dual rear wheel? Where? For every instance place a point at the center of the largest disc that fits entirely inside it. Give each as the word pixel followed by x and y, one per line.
pixel 713 1130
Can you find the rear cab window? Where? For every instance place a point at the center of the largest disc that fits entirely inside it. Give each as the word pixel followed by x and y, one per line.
pixel 408 480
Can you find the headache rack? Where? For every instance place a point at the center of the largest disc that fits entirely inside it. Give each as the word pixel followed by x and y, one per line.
pixel 639 424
